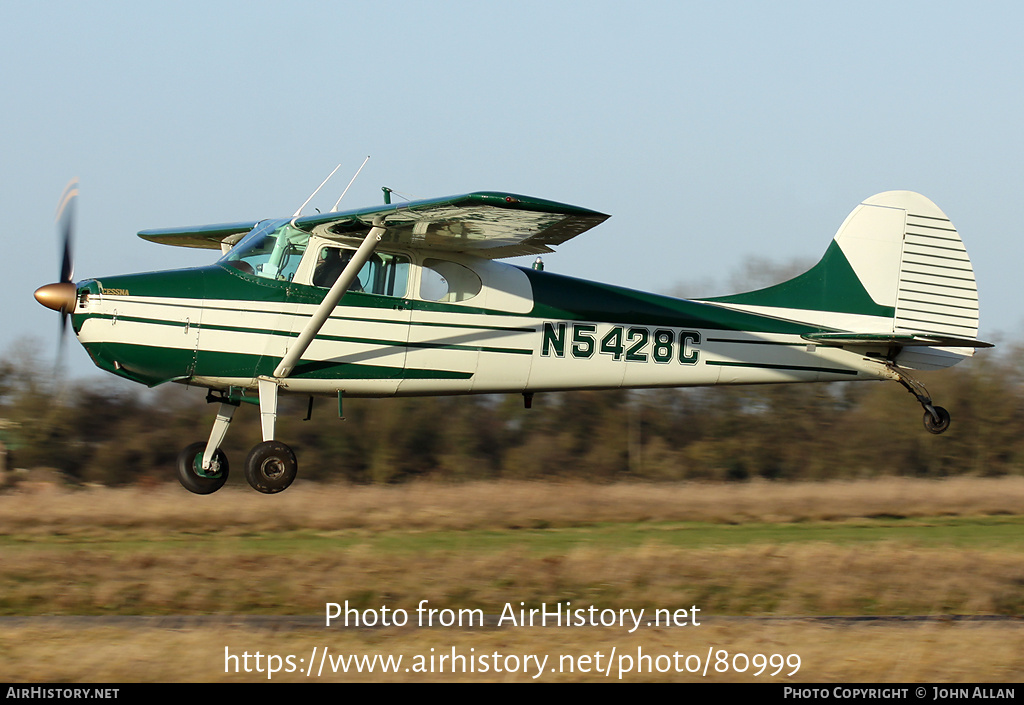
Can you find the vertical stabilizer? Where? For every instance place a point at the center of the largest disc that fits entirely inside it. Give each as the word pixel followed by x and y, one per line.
pixel 896 265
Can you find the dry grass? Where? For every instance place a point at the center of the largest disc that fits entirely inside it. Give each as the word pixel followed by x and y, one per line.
pixel 502 505
pixel 789 579
pixel 65 555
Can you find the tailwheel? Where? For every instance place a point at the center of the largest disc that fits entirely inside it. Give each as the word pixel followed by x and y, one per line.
pixel 271 467
pixel 191 474
pixel 937 422
pixel 936 419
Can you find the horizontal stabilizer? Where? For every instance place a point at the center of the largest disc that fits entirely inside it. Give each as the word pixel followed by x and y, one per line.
pixel 900 339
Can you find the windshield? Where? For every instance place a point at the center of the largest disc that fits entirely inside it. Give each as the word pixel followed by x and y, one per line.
pixel 272 250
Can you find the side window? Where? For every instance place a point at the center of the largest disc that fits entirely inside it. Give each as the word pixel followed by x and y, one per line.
pixel 383 273
pixel 447 281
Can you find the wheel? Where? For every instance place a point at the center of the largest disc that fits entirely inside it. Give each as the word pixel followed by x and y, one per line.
pixel 271 467
pixel 934 426
pixel 191 474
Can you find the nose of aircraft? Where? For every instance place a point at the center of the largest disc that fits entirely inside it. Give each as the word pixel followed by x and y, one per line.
pixel 59 297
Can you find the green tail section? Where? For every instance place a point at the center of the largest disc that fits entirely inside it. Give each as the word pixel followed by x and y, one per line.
pixel 830 285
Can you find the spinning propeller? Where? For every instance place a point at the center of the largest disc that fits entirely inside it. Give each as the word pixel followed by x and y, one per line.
pixel 61 296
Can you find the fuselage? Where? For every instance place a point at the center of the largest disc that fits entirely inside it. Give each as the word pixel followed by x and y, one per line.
pixel 429 324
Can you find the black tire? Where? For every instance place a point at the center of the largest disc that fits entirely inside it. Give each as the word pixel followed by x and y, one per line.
pixel 190 462
pixel 934 426
pixel 271 467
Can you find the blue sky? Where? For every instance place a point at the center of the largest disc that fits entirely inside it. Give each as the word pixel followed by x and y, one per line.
pixel 709 131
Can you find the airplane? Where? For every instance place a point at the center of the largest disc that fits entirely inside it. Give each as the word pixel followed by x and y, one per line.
pixel 411 299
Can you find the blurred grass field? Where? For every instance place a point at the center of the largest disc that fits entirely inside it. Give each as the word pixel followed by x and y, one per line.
pixel 884 547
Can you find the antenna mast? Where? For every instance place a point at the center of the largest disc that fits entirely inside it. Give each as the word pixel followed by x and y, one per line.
pixel 335 209
pixel 299 212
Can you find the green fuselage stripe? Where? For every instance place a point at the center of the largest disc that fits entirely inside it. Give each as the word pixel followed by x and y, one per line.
pixel 767 366
pixel 337 338
pixel 164 364
pixel 360 319
pixel 735 341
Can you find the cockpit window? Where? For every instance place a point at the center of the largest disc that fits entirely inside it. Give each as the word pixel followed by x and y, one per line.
pixel 446 281
pixel 272 250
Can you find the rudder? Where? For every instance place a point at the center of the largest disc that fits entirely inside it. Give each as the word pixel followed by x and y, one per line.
pixel 909 256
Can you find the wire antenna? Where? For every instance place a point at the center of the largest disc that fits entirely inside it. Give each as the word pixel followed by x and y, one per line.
pixel 306 202
pixel 335 209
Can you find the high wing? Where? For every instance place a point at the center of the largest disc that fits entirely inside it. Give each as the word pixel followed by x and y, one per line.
pixel 205 236
pixel 485 223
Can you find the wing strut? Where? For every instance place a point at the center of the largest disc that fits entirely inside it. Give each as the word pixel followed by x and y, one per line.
pixel 323 311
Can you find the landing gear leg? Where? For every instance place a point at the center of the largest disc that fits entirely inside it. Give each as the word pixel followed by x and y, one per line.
pixel 268 407
pixel 220 429
pixel 271 465
pixel 203 467
pixel 936 419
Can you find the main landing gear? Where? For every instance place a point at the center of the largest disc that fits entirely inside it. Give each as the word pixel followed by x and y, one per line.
pixel 270 467
pixel 194 478
pixel 936 419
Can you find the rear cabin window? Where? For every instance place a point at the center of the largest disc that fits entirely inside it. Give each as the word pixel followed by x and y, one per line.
pixel 447 282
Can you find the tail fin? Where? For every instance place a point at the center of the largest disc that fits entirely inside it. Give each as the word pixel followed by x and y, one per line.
pixel 896 272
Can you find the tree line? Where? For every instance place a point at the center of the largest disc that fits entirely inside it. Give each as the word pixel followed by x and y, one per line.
pixel 102 430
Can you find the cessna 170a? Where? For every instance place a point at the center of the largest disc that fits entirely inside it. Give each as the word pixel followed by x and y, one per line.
pixel 410 299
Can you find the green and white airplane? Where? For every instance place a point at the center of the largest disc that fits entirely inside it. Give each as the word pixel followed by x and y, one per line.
pixel 411 299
